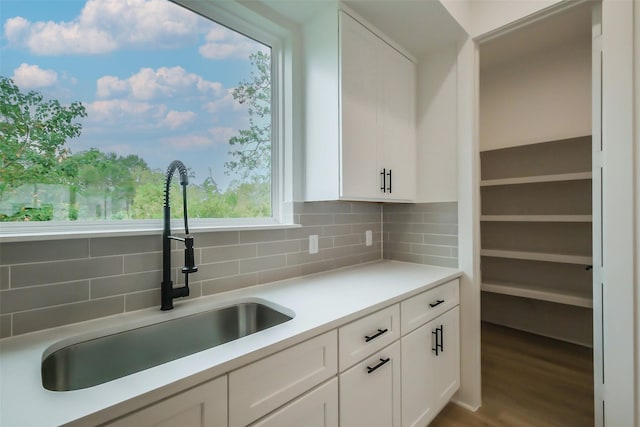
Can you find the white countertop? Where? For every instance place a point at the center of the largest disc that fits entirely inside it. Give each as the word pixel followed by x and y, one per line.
pixel 320 303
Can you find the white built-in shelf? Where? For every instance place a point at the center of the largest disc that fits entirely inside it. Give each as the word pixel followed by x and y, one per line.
pixel 538 256
pixel 537 218
pixel 535 179
pixel 539 293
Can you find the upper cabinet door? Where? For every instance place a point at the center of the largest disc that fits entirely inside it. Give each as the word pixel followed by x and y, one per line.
pixel 378 143
pixel 396 123
pixel 360 140
pixel 359 113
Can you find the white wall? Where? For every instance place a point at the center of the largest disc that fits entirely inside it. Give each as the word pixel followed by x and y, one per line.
pixel 469 225
pixel 437 170
pixel 637 190
pixel 618 216
pixel 540 97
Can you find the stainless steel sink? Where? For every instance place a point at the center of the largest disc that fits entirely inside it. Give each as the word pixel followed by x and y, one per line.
pixel 96 361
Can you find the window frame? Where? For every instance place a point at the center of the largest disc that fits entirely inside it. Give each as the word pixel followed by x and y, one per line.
pixel 255 26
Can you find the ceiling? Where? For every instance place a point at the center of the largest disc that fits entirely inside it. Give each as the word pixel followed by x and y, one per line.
pixel 419 26
pixel 423 26
pixel 570 25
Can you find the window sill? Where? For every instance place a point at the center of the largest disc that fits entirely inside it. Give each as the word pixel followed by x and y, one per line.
pixel 42 232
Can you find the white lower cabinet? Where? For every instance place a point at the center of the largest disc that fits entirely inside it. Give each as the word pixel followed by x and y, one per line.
pixel 417 378
pixel 261 387
pixel 201 406
pixel 318 408
pixel 370 391
pixel 446 362
pixel 430 368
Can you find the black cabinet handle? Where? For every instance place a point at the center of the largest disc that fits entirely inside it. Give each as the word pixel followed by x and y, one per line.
pixel 368 338
pixel 382 362
pixel 435 340
pixel 437 303
pixel 389 175
pixel 438 334
pixel 384 180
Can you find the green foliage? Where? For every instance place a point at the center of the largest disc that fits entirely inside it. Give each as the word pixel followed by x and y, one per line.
pixel 148 200
pixel 251 148
pixel 106 174
pixel 33 132
pixel 43 213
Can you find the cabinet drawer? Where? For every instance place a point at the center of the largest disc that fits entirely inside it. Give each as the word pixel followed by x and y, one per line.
pixel 201 406
pixel 370 391
pixel 365 336
pixel 259 388
pixel 318 408
pixel 422 308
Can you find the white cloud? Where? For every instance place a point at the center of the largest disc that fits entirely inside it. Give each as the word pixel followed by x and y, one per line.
pixel 129 114
pixel 222 43
pixel 221 135
pixel 109 86
pixel 119 111
pixel 176 119
pixel 225 103
pixel 216 136
pixel 165 82
pixel 106 25
pixel 16 29
pixel 31 76
pixel 188 141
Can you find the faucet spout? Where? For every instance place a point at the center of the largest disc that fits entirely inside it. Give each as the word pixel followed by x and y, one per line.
pixel 168 292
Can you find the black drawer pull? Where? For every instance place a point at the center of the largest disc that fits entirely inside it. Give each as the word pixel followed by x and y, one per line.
pixel 368 338
pixel 382 362
pixel 437 303
pixel 384 180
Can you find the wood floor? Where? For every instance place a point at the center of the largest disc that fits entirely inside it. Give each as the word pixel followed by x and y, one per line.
pixel 528 380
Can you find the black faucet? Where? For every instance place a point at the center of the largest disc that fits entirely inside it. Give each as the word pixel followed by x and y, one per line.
pixel 168 292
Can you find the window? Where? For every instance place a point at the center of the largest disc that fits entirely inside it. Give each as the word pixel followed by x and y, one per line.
pixel 99 96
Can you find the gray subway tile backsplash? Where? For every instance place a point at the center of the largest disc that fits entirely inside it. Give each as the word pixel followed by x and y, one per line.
pixel 64 271
pixel 52 250
pixel 423 233
pixel 105 246
pixel 229 283
pixel 220 238
pixel 282 247
pixel 125 284
pixel 227 253
pixel 142 262
pixel 140 300
pixel 262 236
pixel 34 320
pixel 53 283
pixel 5 326
pixel 4 278
pixel 252 265
pixel 32 297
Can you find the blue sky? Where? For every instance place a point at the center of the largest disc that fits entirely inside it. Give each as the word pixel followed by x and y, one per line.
pixel 155 78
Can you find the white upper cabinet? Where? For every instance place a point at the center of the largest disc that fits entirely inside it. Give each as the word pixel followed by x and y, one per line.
pixel 360 113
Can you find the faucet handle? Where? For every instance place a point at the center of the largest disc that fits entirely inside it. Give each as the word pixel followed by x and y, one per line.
pixel 189 258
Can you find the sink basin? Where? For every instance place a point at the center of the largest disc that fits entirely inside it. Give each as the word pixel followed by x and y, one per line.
pixel 96 361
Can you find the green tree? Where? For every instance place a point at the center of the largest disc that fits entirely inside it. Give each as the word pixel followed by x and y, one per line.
pixel 34 132
pixel 149 197
pixel 251 148
pixel 114 178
